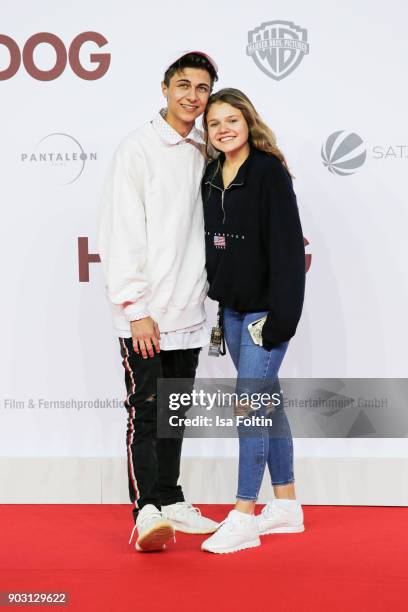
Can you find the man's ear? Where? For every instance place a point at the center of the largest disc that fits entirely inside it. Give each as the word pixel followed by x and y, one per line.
pixel 164 89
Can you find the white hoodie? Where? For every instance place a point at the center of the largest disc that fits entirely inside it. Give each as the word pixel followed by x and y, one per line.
pixel 151 229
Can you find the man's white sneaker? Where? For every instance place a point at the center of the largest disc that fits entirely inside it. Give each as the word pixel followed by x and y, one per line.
pixel 237 532
pixel 275 519
pixel 153 530
pixel 188 519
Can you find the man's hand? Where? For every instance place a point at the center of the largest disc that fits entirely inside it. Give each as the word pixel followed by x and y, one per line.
pixel 145 336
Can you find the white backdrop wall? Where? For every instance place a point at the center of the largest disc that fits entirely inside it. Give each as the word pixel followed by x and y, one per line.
pixel 57 337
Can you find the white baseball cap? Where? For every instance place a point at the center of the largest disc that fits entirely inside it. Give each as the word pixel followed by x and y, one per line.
pixel 173 59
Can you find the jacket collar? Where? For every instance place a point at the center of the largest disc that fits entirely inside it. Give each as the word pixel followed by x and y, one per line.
pixel 215 178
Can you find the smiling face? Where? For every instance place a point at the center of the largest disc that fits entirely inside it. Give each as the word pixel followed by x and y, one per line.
pixel 227 128
pixel 187 95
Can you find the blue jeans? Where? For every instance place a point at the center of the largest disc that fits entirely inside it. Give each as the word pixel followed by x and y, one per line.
pixel 271 445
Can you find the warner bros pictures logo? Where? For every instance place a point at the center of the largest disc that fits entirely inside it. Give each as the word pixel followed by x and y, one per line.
pixel 277 47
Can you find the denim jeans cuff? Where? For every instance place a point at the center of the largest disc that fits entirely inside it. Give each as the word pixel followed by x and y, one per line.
pixel 246 498
pixel 282 482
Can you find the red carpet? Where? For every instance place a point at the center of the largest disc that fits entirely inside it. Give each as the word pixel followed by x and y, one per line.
pixel 349 558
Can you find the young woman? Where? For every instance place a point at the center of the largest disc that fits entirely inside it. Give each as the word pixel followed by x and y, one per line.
pixel 256 269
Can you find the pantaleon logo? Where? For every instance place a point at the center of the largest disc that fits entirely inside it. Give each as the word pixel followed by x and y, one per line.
pixel 102 60
pixel 59 157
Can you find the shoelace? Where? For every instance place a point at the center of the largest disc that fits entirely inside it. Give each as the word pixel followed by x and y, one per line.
pixel 229 523
pixel 188 508
pixel 131 535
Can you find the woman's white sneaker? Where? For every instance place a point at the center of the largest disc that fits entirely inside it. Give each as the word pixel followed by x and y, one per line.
pixel 237 532
pixel 278 519
pixel 188 519
pixel 153 530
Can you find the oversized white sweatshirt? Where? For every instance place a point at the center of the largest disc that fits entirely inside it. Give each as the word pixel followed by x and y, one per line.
pixel 151 230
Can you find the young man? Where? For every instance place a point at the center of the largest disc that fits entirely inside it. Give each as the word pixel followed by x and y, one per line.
pixel 151 244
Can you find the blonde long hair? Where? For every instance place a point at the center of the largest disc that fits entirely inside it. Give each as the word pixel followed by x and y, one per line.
pixel 260 135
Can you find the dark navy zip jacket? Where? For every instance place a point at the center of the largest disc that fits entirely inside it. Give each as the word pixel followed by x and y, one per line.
pixel 254 243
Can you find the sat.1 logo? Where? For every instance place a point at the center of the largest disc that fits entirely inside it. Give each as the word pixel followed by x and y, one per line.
pixel 343 153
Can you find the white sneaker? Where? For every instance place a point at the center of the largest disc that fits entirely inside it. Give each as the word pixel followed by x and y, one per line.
pixel 153 530
pixel 186 518
pixel 236 532
pixel 275 519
